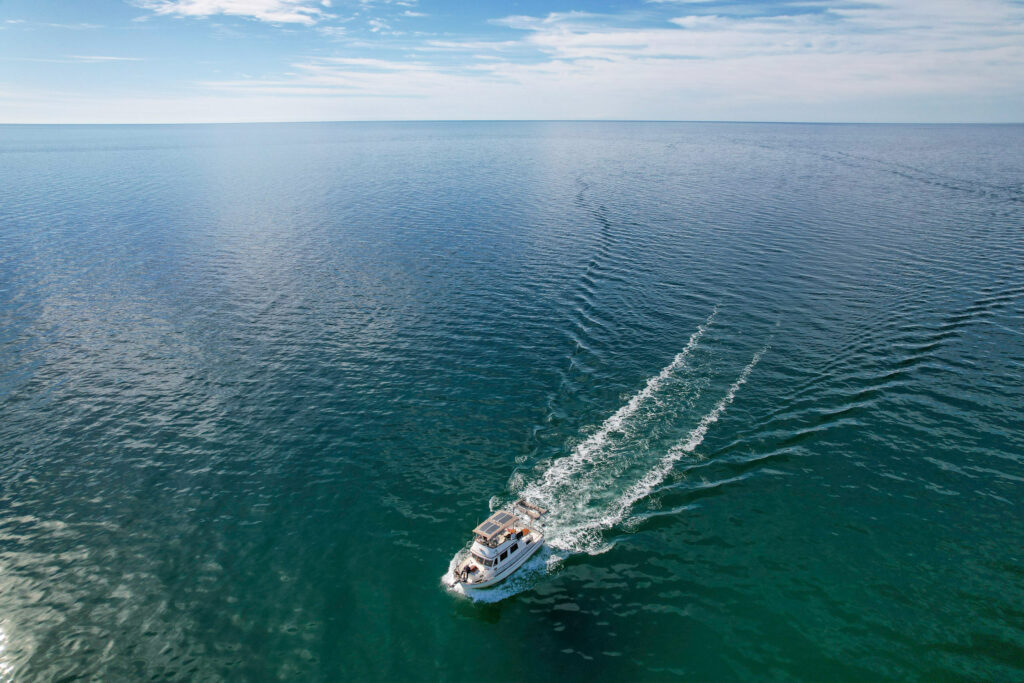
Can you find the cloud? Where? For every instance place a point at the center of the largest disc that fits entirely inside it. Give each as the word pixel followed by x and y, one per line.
pixel 102 58
pixel 80 59
pixel 873 60
pixel 305 12
pixel 331 31
pixel 528 23
pixel 897 29
pixel 697 65
pixel 468 45
pixel 82 26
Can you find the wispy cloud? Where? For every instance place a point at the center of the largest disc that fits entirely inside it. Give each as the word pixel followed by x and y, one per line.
pixel 700 63
pixel 80 26
pixel 468 45
pixel 787 59
pixel 528 23
pixel 305 12
pixel 332 31
pixel 80 59
pixel 102 58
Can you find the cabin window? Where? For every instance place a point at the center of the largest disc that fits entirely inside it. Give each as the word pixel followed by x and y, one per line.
pixel 504 555
pixel 482 560
pixel 515 547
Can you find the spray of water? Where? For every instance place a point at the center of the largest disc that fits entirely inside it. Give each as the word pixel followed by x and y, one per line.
pixel 657 474
pixel 561 472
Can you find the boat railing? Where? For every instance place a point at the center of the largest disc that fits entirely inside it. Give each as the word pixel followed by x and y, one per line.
pixel 527 508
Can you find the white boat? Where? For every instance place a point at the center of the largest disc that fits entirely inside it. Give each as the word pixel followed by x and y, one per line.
pixel 501 544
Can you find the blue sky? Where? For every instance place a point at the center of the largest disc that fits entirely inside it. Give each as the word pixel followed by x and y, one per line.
pixel 301 60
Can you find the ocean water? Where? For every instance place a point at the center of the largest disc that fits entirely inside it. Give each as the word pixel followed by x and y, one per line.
pixel 258 383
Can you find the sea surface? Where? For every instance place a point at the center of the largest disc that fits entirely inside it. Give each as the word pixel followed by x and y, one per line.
pixel 259 382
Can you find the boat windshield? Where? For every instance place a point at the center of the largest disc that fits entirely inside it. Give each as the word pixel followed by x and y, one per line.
pixel 484 561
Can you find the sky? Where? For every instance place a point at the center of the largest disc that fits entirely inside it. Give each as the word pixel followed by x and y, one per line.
pixel 188 61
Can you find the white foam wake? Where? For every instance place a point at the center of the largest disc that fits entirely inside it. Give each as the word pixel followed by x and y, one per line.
pixel 576 488
pixel 657 474
pixel 586 451
pixel 579 488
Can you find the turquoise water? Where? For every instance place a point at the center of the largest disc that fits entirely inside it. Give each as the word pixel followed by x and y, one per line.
pixel 258 383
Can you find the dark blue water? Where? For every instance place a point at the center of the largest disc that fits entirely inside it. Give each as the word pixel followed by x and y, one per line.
pixel 258 383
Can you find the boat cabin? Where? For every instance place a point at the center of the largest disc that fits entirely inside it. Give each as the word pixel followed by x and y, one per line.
pixel 498 539
pixel 501 544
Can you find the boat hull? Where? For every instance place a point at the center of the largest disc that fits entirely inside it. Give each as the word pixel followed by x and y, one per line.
pixel 506 571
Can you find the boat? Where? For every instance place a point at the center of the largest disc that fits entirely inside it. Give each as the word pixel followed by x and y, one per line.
pixel 501 544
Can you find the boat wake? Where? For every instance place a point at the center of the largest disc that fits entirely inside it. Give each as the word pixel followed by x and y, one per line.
pixel 595 487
